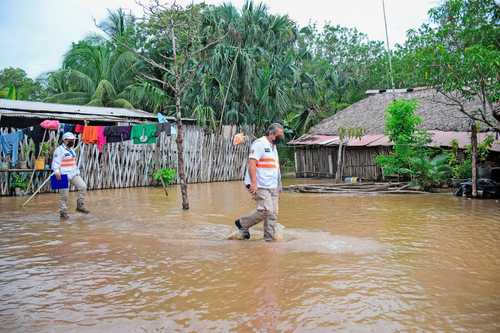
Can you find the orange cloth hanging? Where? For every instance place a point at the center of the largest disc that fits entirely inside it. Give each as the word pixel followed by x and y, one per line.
pixel 90 134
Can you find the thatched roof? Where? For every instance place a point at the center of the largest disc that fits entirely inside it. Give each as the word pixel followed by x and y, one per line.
pixel 434 108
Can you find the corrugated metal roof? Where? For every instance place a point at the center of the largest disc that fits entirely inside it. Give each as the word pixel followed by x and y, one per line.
pixel 75 112
pixel 60 116
pixel 365 140
pixel 314 140
pixel 29 106
pixel 439 139
pixel 444 139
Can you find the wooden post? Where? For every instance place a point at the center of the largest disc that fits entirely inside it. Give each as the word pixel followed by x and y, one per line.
pixel 157 154
pixel 473 141
pixel 330 165
pixel 340 162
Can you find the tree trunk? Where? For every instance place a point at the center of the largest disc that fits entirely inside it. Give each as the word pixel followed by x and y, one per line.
pixel 473 141
pixel 180 128
pixel 180 154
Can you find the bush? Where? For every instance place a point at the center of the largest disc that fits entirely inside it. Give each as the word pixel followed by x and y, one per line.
pixel 401 125
pixel 168 176
pixel 427 173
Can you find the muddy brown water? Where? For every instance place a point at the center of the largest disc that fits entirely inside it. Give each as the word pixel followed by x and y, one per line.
pixel 347 264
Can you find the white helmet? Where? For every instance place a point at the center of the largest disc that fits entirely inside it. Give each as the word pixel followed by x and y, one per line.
pixel 68 136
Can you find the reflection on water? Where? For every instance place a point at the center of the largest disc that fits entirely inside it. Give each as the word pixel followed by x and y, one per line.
pixel 347 263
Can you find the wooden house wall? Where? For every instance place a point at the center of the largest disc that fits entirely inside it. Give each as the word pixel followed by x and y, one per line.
pixel 318 161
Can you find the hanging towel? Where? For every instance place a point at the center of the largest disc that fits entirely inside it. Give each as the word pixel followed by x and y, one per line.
pixel 90 134
pixel 36 134
pixel 101 138
pixel 50 124
pixel 163 127
pixel 117 133
pixel 79 128
pixel 10 145
pixel 143 133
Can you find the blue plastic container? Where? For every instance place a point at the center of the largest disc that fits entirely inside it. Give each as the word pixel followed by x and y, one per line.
pixel 59 184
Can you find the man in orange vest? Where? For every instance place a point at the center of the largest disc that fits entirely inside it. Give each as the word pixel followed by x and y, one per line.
pixel 64 163
pixel 263 180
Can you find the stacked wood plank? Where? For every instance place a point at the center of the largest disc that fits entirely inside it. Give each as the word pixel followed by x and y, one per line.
pixel 340 188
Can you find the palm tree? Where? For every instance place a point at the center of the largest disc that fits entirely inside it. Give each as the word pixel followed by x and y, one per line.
pixel 100 73
pixel 248 71
pixel 94 74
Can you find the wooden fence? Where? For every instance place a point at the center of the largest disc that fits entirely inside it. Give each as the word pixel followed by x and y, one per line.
pixel 208 157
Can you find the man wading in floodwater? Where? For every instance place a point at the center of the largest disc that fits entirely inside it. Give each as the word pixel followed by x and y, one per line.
pixel 64 163
pixel 263 180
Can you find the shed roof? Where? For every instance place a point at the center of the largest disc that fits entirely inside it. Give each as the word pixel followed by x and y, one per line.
pixel 28 109
pixel 438 139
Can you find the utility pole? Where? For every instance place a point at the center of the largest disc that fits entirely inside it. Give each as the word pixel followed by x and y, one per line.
pixel 389 54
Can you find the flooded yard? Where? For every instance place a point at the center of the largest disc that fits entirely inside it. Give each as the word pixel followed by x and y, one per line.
pixel 348 263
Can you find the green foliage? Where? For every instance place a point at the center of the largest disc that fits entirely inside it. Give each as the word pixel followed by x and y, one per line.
pixel 458 53
pixel 168 175
pixel 401 125
pixel 45 149
pixel 428 172
pixel 19 181
pixel 263 68
pixel 15 84
pixel 462 169
pixel 352 132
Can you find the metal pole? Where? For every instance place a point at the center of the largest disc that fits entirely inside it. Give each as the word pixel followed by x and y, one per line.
pixel 389 54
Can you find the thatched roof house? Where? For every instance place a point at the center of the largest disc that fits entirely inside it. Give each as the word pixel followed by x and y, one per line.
pixel 316 152
pixel 436 111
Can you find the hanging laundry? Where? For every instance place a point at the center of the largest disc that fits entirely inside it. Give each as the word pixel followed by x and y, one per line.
pixel 36 134
pixel 161 118
pixel 79 128
pixel 145 133
pixel 50 124
pixel 10 145
pixel 90 134
pixel 68 128
pixel 163 127
pixel 239 139
pixel 101 138
pixel 117 133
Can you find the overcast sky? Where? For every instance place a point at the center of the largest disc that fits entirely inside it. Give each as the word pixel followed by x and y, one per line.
pixel 35 34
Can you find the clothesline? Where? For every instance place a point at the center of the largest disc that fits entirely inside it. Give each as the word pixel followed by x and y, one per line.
pixel 139 133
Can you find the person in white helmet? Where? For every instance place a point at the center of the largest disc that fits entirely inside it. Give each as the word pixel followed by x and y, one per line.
pixel 64 163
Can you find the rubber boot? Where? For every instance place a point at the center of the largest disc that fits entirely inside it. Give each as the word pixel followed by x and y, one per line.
pixel 245 233
pixel 80 207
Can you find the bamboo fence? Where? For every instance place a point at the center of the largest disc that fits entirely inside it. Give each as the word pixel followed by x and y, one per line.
pixel 208 157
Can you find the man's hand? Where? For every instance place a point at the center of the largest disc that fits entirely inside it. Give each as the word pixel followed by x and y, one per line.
pixel 253 188
pixel 58 176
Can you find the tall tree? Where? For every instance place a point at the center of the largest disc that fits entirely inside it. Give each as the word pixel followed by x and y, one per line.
pixel 459 55
pixel 15 84
pixel 173 51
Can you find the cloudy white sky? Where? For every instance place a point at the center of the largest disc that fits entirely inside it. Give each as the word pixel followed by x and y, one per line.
pixel 35 34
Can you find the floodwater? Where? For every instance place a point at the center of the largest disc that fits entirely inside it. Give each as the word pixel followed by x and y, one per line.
pixel 347 263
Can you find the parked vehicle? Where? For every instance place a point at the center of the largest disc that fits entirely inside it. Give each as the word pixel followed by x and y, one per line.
pixel 486 188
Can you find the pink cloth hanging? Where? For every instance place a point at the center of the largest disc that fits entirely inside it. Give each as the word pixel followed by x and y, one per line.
pixel 101 138
pixel 50 124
